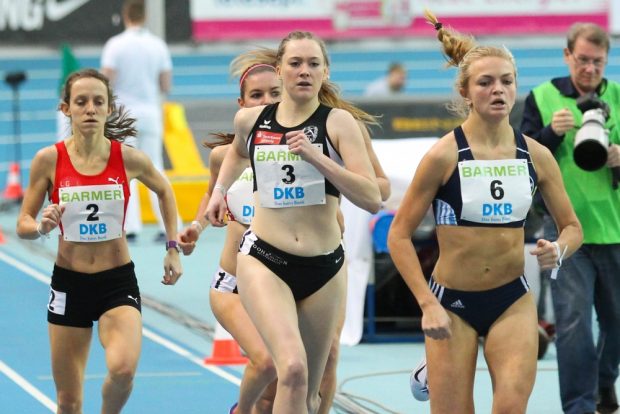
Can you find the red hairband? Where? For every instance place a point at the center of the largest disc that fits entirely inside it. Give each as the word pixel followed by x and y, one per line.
pixel 251 68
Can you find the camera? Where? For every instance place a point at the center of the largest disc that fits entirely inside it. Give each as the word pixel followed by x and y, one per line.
pixel 592 139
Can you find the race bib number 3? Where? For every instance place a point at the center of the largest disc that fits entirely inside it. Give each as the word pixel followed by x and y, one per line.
pixel 285 179
pixel 93 213
pixel 495 191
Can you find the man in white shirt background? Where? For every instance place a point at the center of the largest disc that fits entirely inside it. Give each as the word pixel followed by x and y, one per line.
pixel 139 67
pixel 393 83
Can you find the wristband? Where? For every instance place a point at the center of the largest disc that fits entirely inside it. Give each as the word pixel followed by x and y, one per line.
pixel 172 244
pixel 220 188
pixel 558 263
pixel 198 225
pixel 41 234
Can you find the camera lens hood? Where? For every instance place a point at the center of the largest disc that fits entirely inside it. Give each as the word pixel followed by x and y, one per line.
pixel 591 141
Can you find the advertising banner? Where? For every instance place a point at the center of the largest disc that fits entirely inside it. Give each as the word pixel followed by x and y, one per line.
pixel 418 119
pixel 55 21
pixel 51 22
pixel 350 19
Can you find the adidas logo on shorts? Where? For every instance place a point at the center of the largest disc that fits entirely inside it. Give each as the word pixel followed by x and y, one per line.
pixel 457 304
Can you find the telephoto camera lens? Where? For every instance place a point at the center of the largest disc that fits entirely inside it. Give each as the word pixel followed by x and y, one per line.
pixel 591 141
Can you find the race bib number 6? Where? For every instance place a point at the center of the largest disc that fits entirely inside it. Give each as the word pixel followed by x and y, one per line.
pixel 495 191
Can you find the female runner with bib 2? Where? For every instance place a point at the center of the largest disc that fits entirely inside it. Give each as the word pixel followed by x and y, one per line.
pixel 86 177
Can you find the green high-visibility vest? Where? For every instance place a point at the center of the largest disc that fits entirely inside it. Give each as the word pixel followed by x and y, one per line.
pixel 596 203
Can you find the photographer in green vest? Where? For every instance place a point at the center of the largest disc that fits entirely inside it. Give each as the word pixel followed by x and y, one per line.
pixel 575 117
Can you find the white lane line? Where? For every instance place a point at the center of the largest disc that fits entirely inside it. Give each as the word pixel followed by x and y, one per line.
pixel 28 387
pixel 25 268
pixel 188 355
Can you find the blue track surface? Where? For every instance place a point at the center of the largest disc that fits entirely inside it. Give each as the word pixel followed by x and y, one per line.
pixel 167 381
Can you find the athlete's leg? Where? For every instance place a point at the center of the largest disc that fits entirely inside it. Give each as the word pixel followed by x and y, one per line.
pixel 120 333
pixel 270 304
pixel 451 367
pixel 265 402
pixel 260 371
pixel 319 316
pixel 329 381
pixel 512 358
pixel 69 349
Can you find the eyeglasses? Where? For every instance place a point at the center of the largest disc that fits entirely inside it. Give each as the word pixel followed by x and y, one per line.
pixel 583 61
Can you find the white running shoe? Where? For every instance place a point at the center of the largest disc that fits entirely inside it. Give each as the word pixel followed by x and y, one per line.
pixel 418 382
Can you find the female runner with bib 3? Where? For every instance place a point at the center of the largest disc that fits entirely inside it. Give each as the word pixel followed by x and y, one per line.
pixel 290 270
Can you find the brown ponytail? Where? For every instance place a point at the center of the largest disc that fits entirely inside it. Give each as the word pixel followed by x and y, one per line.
pixel 461 51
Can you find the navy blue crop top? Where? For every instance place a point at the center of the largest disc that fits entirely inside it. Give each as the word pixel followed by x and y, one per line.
pixel 267 131
pixel 497 193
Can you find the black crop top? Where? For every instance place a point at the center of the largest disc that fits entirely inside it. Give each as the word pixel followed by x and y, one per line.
pixel 487 192
pixel 267 131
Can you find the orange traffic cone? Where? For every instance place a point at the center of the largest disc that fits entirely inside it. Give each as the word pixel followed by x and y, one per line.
pixel 13 190
pixel 226 350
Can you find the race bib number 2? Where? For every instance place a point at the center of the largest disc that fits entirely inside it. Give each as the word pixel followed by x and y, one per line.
pixel 93 213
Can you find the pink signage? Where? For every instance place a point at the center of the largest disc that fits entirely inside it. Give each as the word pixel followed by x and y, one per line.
pixel 348 19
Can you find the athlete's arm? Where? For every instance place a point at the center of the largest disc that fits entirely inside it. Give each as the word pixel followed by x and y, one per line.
pixel 233 165
pixel 357 180
pixel 416 202
pixel 551 186
pixel 41 168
